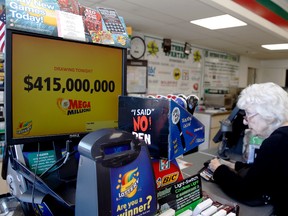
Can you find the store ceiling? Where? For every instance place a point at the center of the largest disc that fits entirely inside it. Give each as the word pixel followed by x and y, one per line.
pixel 170 19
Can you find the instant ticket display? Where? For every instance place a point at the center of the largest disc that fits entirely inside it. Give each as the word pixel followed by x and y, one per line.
pixel 165 126
pixel 181 196
pixel 53 17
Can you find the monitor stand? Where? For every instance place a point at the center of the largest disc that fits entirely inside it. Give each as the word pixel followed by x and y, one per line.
pixel 226 127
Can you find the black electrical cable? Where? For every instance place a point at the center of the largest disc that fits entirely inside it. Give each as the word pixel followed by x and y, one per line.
pixel 34 180
pixel 64 159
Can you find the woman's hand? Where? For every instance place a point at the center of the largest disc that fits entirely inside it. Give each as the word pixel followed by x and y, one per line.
pixel 214 164
pixel 228 163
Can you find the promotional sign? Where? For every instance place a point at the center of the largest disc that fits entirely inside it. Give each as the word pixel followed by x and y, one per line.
pixel 92 22
pixel 221 71
pixel 63 87
pixel 182 195
pixel 51 17
pixel 132 187
pixel 186 132
pixel 167 128
pixel 173 72
pixel 33 16
pixel 40 161
pixel 104 26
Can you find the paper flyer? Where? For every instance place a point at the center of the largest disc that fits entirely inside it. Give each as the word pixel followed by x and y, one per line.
pixel 70 26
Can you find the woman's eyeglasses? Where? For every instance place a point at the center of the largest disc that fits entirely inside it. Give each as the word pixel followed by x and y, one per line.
pixel 247 117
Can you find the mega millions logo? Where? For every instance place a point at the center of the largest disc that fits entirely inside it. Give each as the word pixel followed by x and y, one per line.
pixel 128 183
pixel 72 107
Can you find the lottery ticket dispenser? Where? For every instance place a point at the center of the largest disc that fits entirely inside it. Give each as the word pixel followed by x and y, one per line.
pixel 115 175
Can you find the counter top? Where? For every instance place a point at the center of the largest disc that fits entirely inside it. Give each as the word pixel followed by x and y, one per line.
pixel 197 160
pixel 213 112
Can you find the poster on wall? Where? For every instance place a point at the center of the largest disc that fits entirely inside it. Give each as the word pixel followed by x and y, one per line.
pixel 221 71
pixel 174 72
pixel 137 76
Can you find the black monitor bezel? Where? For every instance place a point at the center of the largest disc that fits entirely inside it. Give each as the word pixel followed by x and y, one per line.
pixel 8 89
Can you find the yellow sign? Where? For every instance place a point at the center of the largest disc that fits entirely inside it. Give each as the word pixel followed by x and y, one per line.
pixel 176 73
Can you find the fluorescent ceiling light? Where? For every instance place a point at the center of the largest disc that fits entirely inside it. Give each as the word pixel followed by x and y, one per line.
pixel 219 22
pixel 276 46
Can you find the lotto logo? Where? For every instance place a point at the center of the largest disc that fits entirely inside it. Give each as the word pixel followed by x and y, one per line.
pixel 170 178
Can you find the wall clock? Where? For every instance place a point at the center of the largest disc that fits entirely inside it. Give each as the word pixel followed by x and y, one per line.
pixel 138 47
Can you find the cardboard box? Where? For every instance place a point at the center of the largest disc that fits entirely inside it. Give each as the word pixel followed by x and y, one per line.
pixel 166 172
pixel 167 128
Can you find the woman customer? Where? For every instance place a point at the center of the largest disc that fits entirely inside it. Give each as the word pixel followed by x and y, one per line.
pixel 266 180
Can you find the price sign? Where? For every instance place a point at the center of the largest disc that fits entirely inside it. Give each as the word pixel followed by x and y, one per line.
pixel 61 87
pixel 70 85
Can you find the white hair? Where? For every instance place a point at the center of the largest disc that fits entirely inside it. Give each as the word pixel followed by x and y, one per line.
pixel 269 100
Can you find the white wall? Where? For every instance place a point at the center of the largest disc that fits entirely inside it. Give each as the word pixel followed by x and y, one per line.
pixel 282 63
pixel 274 71
pixel 267 70
pixel 245 63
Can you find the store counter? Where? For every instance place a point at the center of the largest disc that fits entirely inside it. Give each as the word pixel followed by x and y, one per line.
pixel 211 120
pixel 213 190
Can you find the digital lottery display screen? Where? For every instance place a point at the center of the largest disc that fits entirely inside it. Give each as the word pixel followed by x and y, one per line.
pixel 60 88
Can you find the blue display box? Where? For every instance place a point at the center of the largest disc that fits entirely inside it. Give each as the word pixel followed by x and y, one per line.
pixel 167 128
